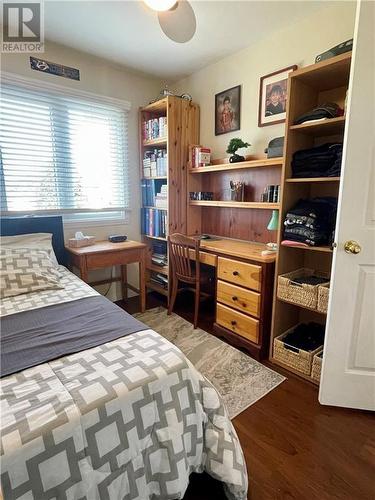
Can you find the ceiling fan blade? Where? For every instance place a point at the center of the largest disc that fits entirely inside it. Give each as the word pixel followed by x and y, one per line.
pixel 179 23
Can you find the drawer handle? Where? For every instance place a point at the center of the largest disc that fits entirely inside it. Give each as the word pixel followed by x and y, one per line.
pixel 234 298
pixel 233 322
pixel 235 273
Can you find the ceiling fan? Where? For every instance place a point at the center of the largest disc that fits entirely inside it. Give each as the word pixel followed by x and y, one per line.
pixel 176 18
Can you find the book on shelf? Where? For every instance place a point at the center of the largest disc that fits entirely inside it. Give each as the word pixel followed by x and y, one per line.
pixel 154 222
pixel 199 156
pixel 161 198
pixel 159 279
pixel 151 198
pixel 155 163
pixel 155 128
pixel 159 260
pixel 159 248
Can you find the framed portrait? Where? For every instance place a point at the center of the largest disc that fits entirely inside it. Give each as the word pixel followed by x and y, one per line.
pixel 228 110
pixel 273 95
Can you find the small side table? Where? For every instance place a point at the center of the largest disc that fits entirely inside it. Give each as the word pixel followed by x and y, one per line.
pixel 106 254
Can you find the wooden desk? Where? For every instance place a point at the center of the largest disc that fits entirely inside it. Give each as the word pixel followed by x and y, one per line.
pixel 106 254
pixel 244 289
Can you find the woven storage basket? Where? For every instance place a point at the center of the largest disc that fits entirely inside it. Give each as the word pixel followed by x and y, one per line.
pixel 316 368
pixel 298 359
pixel 297 293
pixel 323 295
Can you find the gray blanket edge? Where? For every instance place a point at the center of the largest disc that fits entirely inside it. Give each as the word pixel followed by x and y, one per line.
pixel 37 336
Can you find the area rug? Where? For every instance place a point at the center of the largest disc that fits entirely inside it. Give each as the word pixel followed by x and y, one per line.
pixel 239 379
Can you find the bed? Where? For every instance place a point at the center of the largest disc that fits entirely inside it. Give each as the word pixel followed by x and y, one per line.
pixel 95 405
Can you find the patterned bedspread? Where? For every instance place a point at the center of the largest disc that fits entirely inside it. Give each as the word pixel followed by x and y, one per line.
pixel 74 289
pixel 130 419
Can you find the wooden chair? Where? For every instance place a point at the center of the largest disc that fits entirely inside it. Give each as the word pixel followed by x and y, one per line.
pixel 185 270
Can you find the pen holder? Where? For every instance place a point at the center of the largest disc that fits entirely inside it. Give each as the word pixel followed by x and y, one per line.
pixel 237 191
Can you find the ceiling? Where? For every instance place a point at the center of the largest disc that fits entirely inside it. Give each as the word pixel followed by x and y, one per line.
pixel 127 32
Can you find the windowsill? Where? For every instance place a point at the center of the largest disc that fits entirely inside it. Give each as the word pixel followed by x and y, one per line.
pixel 95 223
pixel 77 224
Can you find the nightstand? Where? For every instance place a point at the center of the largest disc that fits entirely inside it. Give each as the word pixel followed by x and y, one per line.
pixel 106 254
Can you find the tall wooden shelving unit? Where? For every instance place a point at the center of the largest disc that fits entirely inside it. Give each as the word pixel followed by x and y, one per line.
pixel 182 130
pixel 316 84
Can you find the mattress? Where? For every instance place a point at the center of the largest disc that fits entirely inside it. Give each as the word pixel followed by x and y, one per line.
pixel 127 419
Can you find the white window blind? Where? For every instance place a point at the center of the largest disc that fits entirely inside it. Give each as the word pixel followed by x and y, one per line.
pixel 61 152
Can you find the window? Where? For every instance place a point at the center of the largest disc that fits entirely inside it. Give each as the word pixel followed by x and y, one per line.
pixel 62 152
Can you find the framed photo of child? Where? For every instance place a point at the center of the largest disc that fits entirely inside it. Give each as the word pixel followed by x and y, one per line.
pixel 273 95
pixel 228 110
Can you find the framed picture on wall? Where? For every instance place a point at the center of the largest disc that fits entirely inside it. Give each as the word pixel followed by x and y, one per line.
pixel 228 110
pixel 273 95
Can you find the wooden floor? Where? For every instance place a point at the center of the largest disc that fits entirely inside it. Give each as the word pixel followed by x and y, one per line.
pixel 294 447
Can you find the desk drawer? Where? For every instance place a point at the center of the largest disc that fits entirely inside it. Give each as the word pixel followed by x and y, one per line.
pixel 116 258
pixel 240 298
pixel 204 257
pixel 240 273
pixel 237 322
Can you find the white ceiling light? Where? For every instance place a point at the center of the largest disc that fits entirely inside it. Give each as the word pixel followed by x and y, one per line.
pixel 160 5
pixel 176 18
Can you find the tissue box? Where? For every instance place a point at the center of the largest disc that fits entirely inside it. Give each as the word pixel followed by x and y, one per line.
pixel 78 243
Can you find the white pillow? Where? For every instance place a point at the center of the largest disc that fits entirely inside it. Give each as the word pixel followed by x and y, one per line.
pixel 34 241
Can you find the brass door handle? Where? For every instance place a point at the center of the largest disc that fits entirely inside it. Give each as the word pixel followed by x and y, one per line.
pixel 352 246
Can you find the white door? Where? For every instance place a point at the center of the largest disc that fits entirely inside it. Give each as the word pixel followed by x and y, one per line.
pixel 348 374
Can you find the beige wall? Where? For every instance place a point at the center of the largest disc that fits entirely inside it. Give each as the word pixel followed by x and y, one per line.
pixel 104 78
pixel 298 44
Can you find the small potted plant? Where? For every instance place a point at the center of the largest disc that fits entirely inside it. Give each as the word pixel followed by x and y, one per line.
pixel 233 146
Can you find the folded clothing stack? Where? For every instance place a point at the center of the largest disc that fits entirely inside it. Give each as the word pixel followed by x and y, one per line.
pixel 320 161
pixel 321 112
pixel 311 222
pixel 306 336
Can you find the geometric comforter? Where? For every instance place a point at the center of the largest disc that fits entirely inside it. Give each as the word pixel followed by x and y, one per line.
pixel 129 419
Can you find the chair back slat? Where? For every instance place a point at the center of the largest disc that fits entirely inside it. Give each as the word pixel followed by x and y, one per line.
pixel 180 258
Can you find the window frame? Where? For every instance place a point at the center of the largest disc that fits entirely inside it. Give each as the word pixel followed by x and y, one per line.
pixel 76 218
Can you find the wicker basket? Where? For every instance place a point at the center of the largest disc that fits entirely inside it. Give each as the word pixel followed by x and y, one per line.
pixel 297 293
pixel 298 359
pixel 316 369
pixel 323 295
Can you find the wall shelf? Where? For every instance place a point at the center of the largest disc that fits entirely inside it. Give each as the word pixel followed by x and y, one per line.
pixel 262 163
pixel 330 126
pixel 313 179
pixel 235 204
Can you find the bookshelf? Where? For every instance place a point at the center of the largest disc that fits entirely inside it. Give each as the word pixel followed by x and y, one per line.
pixel 243 220
pixel 166 144
pixel 308 87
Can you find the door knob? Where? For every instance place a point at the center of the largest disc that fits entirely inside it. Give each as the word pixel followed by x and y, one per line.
pixel 352 246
